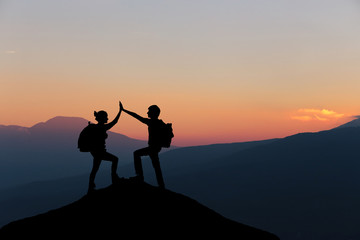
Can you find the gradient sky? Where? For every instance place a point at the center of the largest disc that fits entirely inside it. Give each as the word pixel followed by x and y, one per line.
pixel 220 70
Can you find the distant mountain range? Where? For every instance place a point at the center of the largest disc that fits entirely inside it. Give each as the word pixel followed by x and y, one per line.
pixel 305 186
pixel 48 150
pixel 354 123
pixel 132 210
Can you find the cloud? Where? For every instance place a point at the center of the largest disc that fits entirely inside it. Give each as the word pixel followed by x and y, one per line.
pixel 311 114
pixel 10 52
pixel 301 118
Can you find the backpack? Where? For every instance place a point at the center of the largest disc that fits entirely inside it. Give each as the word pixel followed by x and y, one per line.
pixel 86 138
pixel 166 134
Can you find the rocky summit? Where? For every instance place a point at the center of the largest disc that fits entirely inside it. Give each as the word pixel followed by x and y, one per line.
pixel 131 210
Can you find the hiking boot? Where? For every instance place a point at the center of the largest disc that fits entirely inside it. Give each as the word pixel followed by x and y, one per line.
pixel 91 188
pixel 137 178
pixel 116 179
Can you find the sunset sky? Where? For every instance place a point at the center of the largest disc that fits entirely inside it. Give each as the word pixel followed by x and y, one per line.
pixel 220 70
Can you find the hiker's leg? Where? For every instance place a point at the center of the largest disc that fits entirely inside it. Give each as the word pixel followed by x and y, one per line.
pixel 154 155
pixel 113 159
pixel 137 161
pixel 114 163
pixel 95 168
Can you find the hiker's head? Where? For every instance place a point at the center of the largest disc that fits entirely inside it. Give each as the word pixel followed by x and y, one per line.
pixel 154 111
pixel 101 116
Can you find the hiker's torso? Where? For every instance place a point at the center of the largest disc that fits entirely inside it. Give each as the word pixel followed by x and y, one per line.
pixel 101 136
pixel 154 130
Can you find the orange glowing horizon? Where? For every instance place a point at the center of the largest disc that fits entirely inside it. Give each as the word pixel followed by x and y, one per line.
pixel 196 132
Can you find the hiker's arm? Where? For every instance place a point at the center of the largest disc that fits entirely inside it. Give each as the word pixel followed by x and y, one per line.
pixel 116 119
pixel 138 117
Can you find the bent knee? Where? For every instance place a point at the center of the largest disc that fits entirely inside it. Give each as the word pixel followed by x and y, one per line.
pixel 137 153
pixel 114 159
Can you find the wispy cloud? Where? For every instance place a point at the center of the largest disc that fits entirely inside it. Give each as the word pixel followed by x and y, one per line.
pixel 10 51
pixel 301 118
pixel 311 114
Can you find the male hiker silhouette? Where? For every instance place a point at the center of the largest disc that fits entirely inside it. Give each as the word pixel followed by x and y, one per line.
pixel 94 141
pixel 154 125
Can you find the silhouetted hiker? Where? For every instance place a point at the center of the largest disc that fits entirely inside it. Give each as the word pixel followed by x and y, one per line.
pixel 92 139
pixel 155 142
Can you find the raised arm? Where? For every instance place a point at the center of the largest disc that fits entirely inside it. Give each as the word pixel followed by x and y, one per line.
pixel 138 117
pixel 116 119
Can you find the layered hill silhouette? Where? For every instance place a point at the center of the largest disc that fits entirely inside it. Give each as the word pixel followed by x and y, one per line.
pixel 129 209
pixel 48 150
pixel 305 186
pixel 33 198
pixel 354 123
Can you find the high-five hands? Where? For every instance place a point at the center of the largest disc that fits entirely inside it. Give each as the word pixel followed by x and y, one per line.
pixel 121 106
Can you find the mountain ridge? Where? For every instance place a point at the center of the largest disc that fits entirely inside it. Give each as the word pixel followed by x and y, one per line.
pixel 354 123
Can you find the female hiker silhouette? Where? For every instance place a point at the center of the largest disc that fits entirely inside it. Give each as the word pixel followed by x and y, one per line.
pixel 98 146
